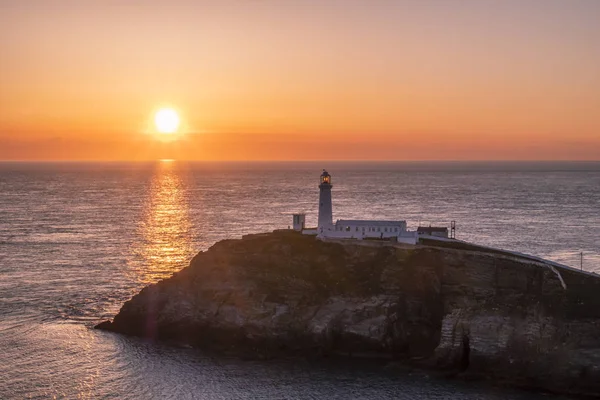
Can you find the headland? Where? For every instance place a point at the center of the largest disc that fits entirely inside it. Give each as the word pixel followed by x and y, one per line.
pixel 444 306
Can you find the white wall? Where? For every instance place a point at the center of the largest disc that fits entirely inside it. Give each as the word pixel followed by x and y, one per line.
pixel 325 217
pixel 371 231
pixel 401 236
pixel 436 234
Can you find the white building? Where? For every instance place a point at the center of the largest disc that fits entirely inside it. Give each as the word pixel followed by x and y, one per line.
pixel 351 229
pixel 375 229
pixel 299 221
pixel 436 231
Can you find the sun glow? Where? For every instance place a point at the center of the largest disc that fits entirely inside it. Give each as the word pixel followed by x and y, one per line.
pixel 166 120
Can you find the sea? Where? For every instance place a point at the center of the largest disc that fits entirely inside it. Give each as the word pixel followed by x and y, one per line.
pixel 77 240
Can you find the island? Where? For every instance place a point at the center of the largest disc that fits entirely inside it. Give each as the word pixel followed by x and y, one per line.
pixel 445 306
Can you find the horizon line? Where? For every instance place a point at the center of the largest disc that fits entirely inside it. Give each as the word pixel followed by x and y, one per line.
pixel 302 161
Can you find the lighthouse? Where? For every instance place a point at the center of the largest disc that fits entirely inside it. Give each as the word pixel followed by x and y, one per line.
pixel 325 209
pixel 355 229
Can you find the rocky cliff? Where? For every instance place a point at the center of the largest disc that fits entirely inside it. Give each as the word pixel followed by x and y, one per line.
pixel 474 312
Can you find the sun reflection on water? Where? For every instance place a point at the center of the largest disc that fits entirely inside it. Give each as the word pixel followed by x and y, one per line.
pixel 166 244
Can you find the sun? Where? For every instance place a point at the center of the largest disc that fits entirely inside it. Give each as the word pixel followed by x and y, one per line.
pixel 166 120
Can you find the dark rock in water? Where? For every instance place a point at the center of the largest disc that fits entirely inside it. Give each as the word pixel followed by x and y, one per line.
pixel 463 311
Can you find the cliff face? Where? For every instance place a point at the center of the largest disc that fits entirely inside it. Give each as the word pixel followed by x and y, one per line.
pixel 488 314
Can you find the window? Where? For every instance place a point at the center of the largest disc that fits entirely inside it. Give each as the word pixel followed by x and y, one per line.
pixel 378 229
pixel 385 229
pixel 347 229
pixel 357 229
pixel 363 229
pixel 396 230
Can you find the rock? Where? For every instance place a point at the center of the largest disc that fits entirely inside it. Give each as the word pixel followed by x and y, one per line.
pixel 104 325
pixel 463 312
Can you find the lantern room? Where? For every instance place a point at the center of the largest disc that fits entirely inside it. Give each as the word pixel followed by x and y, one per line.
pixel 325 178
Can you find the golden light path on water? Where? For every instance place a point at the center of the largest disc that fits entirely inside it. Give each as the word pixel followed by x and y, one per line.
pixel 166 228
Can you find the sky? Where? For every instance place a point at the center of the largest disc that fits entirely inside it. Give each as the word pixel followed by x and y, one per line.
pixel 301 80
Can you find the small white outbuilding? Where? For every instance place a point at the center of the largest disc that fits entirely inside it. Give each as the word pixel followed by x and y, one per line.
pixel 299 222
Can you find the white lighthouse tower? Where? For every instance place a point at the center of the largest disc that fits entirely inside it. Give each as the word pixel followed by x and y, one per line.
pixel 325 208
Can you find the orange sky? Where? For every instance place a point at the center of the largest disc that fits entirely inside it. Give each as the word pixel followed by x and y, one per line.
pixel 307 79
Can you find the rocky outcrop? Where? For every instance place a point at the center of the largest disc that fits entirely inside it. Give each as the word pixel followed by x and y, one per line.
pixel 474 312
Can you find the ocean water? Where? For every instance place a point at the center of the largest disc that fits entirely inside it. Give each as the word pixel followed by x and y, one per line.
pixel 79 239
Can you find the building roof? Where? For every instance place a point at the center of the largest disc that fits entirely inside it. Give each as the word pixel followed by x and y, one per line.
pixel 365 222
